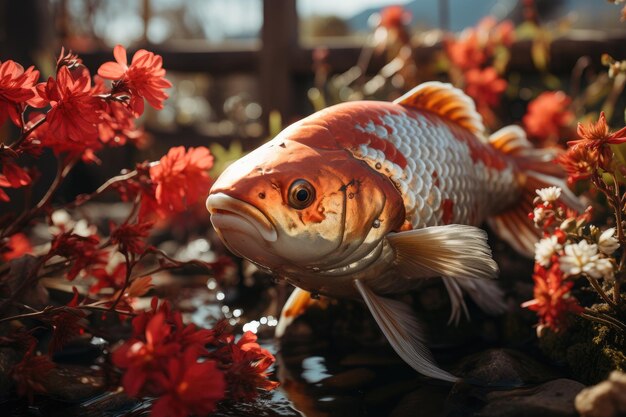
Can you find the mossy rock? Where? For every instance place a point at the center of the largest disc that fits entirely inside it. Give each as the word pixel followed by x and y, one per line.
pixel 590 350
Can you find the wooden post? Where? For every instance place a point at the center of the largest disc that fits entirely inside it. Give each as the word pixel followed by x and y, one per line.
pixel 444 15
pixel 279 36
pixel 146 13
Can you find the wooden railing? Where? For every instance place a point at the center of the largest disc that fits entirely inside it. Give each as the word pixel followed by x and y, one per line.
pixel 279 61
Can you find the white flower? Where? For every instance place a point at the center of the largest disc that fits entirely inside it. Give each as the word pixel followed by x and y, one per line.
pixel 607 242
pixel 62 222
pixel 549 194
pixel 545 248
pixel 583 257
pixel 602 268
pixel 579 257
pixel 539 213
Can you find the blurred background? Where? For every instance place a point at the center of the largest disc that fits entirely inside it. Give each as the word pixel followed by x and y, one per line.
pixel 243 69
pixel 233 63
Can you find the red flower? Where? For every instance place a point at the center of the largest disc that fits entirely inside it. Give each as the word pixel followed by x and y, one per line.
pixel 142 360
pixel 548 117
pixel 74 116
pixel 15 175
pixel 17 90
pixel 104 279
pixel 191 388
pixel 145 77
pixel 476 46
pixel 245 364
pixel 394 17
pixel 580 162
pixel 181 178
pixel 553 301
pixel 140 322
pixel 30 373
pixel 66 326
pixel 131 237
pixel 17 246
pixel 83 251
pixel 117 124
pixel 247 373
pixel 598 134
pixel 466 53
pixel 157 335
pixel 484 86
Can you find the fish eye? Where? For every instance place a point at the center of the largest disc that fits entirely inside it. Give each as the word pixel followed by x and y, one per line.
pixel 301 194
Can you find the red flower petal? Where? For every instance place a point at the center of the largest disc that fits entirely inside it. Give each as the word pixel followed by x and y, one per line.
pixel 111 71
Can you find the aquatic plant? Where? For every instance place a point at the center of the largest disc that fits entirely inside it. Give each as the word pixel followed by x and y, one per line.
pixel 72 115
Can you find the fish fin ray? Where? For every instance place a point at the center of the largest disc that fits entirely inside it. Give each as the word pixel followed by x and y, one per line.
pixel 537 170
pixel 296 305
pixel 457 253
pixel 404 333
pixel 448 102
pixel 453 250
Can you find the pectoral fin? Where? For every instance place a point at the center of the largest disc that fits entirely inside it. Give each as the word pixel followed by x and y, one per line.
pixel 403 332
pixel 296 304
pixel 457 253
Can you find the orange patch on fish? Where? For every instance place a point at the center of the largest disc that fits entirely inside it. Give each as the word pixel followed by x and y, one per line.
pixel 447 207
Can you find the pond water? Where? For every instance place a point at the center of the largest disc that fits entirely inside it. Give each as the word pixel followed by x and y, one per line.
pixel 333 361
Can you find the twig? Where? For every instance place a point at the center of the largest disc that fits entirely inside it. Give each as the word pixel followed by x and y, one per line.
pixel 26 133
pixel 62 171
pixel 590 315
pixel 53 310
pixel 129 270
pixel 88 197
pixel 596 286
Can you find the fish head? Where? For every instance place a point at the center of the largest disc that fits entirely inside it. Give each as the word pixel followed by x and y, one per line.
pixel 290 204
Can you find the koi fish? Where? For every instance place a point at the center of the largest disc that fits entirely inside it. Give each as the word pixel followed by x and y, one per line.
pixel 365 199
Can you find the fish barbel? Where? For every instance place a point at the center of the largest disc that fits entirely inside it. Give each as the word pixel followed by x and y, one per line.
pixel 364 199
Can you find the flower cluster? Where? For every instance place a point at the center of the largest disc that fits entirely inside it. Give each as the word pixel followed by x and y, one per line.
pixel 473 54
pixel 592 153
pixel 549 118
pixel 570 249
pixel 170 360
pixel 75 115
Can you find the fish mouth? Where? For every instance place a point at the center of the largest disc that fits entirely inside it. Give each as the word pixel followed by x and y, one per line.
pixel 224 207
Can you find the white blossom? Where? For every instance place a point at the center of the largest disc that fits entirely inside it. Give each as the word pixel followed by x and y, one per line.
pixel 579 257
pixel 549 194
pixel 62 222
pixel 545 248
pixel 539 213
pixel 602 268
pixel 607 243
pixel 583 257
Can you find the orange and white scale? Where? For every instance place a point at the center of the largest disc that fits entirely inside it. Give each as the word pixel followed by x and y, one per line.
pixel 365 199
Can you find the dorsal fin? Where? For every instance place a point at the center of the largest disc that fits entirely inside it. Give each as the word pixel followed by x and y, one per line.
pixel 446 101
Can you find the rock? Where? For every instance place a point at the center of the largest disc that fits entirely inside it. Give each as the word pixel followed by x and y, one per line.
pixel 551 399
pixel 503 368
pixel 607 399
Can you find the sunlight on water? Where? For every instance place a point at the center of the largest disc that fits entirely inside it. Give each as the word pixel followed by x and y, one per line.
pixel 314 369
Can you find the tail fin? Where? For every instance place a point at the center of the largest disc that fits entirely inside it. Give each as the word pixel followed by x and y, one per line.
pixel 538 170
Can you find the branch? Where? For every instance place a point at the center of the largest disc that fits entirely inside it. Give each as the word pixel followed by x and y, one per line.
pixel 26 133
pixel 104 187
